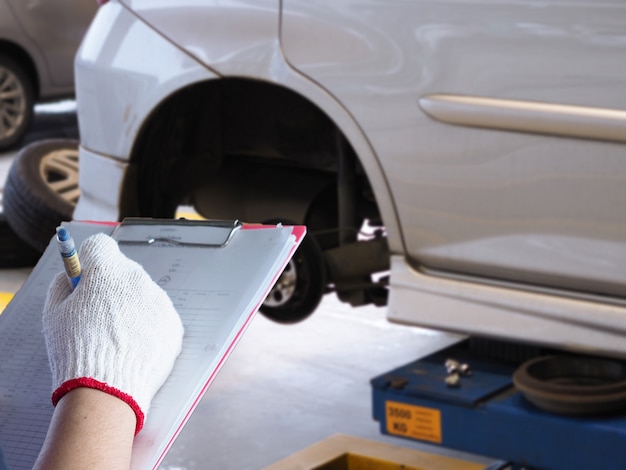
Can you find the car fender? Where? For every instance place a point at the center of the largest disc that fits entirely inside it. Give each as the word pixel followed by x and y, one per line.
pixel 110 117
pixel 114 50
pixel 235 41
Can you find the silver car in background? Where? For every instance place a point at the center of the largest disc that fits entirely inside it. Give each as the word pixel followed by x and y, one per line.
pixel 38 42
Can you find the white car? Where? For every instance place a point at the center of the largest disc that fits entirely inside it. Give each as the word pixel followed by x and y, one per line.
pixel 480 145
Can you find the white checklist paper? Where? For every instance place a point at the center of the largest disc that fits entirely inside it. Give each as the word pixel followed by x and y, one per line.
pixel 215 289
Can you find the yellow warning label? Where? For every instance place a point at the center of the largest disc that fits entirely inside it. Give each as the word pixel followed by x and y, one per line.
pixel 416 422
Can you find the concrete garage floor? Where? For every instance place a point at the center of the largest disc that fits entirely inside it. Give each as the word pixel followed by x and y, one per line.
pixel 286 387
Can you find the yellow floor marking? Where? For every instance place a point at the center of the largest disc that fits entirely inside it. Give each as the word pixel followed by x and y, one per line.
pixel 183 214
pixel 5 298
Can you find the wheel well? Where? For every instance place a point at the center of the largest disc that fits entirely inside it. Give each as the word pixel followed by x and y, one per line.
pixel 254 151
pixel 20 55
pixel 207 126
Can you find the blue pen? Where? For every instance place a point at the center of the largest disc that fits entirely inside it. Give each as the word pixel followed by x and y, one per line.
pixel 69 255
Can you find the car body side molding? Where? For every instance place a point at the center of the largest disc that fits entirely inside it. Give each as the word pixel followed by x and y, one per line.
pixel 581 122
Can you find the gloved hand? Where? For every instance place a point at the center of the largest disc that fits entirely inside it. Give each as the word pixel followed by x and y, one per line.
pixel 117 331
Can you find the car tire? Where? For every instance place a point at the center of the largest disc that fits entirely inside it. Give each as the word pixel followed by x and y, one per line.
pixel 301 286
pixel 41 190
pixel 15 252
pixel 17 101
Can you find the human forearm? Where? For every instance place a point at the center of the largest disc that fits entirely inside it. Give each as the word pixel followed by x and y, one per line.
pixel 89 429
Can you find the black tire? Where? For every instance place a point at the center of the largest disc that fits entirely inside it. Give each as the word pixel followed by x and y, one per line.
pixel 15 252
pixel 573 385
pixel 307 273
pixel 41 190
pixel 17 101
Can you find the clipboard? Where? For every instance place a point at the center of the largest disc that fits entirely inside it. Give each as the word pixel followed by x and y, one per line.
pixel 178 232
pixel 217 274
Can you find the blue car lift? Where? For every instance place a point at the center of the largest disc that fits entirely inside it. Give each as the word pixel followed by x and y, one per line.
pixel 485 414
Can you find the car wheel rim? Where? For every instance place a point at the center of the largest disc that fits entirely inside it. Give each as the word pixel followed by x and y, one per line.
pixel 12 103
pixel 59 170
pixel 284 288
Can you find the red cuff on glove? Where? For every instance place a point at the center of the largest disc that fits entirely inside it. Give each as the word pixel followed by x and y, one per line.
pixel 88 382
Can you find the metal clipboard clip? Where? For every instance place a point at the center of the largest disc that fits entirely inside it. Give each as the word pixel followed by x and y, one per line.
pixel 141 231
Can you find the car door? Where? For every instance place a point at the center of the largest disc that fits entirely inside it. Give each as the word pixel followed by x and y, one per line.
pixel 500 126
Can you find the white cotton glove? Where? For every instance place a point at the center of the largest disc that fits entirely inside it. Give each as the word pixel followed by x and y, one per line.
pixel 117 331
